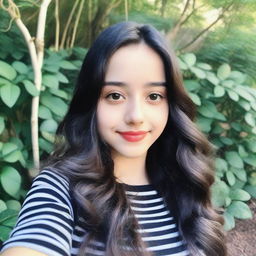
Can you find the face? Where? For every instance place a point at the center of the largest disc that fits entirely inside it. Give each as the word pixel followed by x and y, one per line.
pixel 133 109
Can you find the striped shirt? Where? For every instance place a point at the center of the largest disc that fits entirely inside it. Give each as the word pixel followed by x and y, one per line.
pixel 46 221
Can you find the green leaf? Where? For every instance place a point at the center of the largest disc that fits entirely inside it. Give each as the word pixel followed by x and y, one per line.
pixel 17 142
pixel 59 93
pixel 244 94
pixel 10 180
pixel 49 125
pixel 48 136
pixel 67 65
pixel 220 116
pixel 57 105
pixel 238 77
pixel 236 126
pixel 198 72
pixel 12 157
pixel 217 129
pixel 51 81
pixel 220 192
pixel 239 194
pixel 227 201
pixel 251 190
pixel 206 111
pixel 242 151
pixel 9 147
pixel 234 159
pixel 249 118
pixel 233 95
pixel 251 145
pixel 253 104
pixel 13 204
pixel 182 65
pixel 5 232
pixel 20 67
pixel 212 78
pixel 209 110
pixel 219 91
pixel 251 160
pixel 230 178
pixel 4 82
pixel 228 83
pixel 195 98
pixel 204 123
pixel 245 105
pixel 9 94
pixel 45 145
pixel 2 205
pixel 7 70
pixel 44 112
pixel 63 79
pixel 240 174
pixel 226 141
pixel 223 71
pixel 189 59
pixel 191 85
pixel 221 164
pixel 2 125
pixel 239 184
pixel 229 221
pixel 239 210
pixel 30 87
pixel 8 217
pixel 204 66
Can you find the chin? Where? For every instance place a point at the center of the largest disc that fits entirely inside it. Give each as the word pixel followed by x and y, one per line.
pixel 130 154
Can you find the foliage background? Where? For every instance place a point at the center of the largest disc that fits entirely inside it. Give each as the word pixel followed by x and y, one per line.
pixel 216 46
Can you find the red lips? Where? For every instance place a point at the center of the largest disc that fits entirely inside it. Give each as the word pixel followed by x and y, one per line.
pixel 133 136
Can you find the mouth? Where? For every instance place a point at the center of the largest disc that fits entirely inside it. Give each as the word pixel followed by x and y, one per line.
pixel 133 136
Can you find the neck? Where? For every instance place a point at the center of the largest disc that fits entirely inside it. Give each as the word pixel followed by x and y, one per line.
pixel 131 171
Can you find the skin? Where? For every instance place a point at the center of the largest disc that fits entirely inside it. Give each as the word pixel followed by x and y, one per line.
pixel 133 99
pixel 21 251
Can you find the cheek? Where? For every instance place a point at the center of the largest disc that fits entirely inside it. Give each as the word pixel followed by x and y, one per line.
pixel 106 117
pixel 161 117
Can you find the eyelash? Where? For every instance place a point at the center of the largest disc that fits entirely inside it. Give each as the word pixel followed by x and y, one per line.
pixel 116 93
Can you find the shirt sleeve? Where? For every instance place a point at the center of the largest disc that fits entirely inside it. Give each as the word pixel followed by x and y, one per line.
pixel 45 222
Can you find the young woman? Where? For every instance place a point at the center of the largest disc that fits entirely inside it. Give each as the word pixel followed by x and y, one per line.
pixel 131 173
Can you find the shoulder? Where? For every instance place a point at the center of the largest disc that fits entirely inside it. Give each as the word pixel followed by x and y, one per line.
pixel 46 220
pixel 14 251
pixel 51 178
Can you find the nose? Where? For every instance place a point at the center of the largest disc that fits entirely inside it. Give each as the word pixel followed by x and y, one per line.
pixel 134 113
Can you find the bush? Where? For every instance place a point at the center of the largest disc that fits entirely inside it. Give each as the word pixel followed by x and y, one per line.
pixel 226 112
pixel 16 91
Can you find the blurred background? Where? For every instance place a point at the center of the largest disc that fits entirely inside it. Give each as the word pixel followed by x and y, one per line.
pixel 215 41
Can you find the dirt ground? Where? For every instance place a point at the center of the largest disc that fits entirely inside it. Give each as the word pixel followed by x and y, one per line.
pixel 241 240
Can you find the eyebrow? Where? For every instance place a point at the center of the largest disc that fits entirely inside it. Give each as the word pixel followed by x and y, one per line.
pixel 115 83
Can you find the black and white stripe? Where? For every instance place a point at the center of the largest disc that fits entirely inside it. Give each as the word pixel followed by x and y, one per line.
pixel 46 221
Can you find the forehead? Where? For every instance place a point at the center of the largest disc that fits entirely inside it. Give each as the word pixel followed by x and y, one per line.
pixel 136 61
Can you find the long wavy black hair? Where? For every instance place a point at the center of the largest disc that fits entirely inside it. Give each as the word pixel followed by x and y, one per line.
pixel 179 164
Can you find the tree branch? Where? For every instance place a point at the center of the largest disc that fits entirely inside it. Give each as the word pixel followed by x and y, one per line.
pixel 64 35
pixel 36 50
pixel 57 29
pixel 182 19
pixel 126 9
pixel 207 28
pixel 76 23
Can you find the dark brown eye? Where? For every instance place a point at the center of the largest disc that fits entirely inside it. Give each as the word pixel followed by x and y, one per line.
pixel 114 96
pixel 155 96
